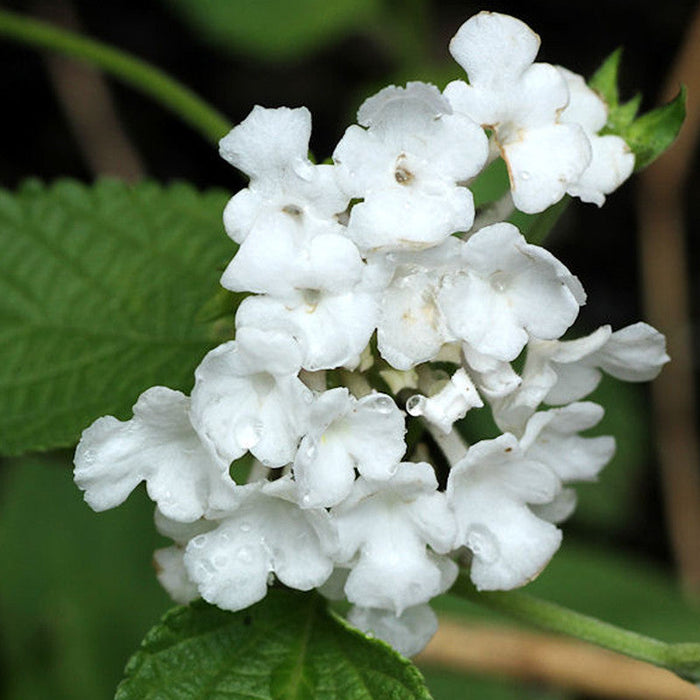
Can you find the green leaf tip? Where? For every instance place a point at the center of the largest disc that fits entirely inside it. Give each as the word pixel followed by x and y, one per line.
pixel 287 647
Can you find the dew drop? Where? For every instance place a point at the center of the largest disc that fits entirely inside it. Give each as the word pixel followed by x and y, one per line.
pixel 271 578
pixel 415 404
pixel 199 541
pixel 381 403
pixel 245 526
pixel 525 175
pixel 483 543
pixel 306 499
pixel 499 281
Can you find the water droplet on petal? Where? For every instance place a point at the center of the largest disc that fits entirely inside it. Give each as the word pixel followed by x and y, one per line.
pixel 199 541
pixel 499 281
pixel 245 526
pixel 525 175
pixel 381 403
pixel 483 543
pixel 306 499
pixel 271 578
pixel 415 404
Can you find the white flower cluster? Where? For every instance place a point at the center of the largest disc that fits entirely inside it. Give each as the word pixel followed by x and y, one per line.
pixel 384 239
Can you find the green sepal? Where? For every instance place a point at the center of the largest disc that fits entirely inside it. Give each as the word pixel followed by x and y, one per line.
pixel 289 646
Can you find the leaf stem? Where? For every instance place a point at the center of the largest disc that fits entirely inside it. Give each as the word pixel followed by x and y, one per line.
pixel 136 73
pixel 683 659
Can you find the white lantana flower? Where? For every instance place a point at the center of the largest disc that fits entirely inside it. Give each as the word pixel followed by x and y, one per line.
pixel 159 446
pixel 291 254
pixel 520 101
pixel 407 167
pixel 489 491
pixel 552 438
pixel 612 161
pixel 347 434
pixel 391 534
pixel 509 289
pixel 411 328
pixel 494 378
pixel 271 146
pixel 559 372
pixel 247 396
pixel 408 633
pixel 267 534
pixel 172 574
pixel 331 329
pixel 449 404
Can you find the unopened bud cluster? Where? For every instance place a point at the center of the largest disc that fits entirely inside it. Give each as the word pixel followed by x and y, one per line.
pixel 384 240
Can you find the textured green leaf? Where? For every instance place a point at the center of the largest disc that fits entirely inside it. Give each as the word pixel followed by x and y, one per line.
pixel 275 29
pixel 287 647
pixel 100 293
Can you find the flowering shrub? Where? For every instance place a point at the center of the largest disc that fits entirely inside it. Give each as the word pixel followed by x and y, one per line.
pixel 329 443
pixel 385 239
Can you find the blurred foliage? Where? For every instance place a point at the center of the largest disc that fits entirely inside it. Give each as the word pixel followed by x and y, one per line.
pixel 78 594
pixel 275 30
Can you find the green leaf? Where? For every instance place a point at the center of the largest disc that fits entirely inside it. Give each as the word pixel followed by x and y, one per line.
pixel 275 29
pixel 622 115
pixel 647 136
pixel 652 133
pixel 100 291
pixel 287 647
pixel 604 80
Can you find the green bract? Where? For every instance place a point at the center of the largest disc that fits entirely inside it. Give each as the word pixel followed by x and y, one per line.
pixel 101 292
pixel 648 135
pixel 287 647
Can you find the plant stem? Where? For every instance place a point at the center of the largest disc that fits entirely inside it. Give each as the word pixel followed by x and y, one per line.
pixel 683 659
pixel 134 72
